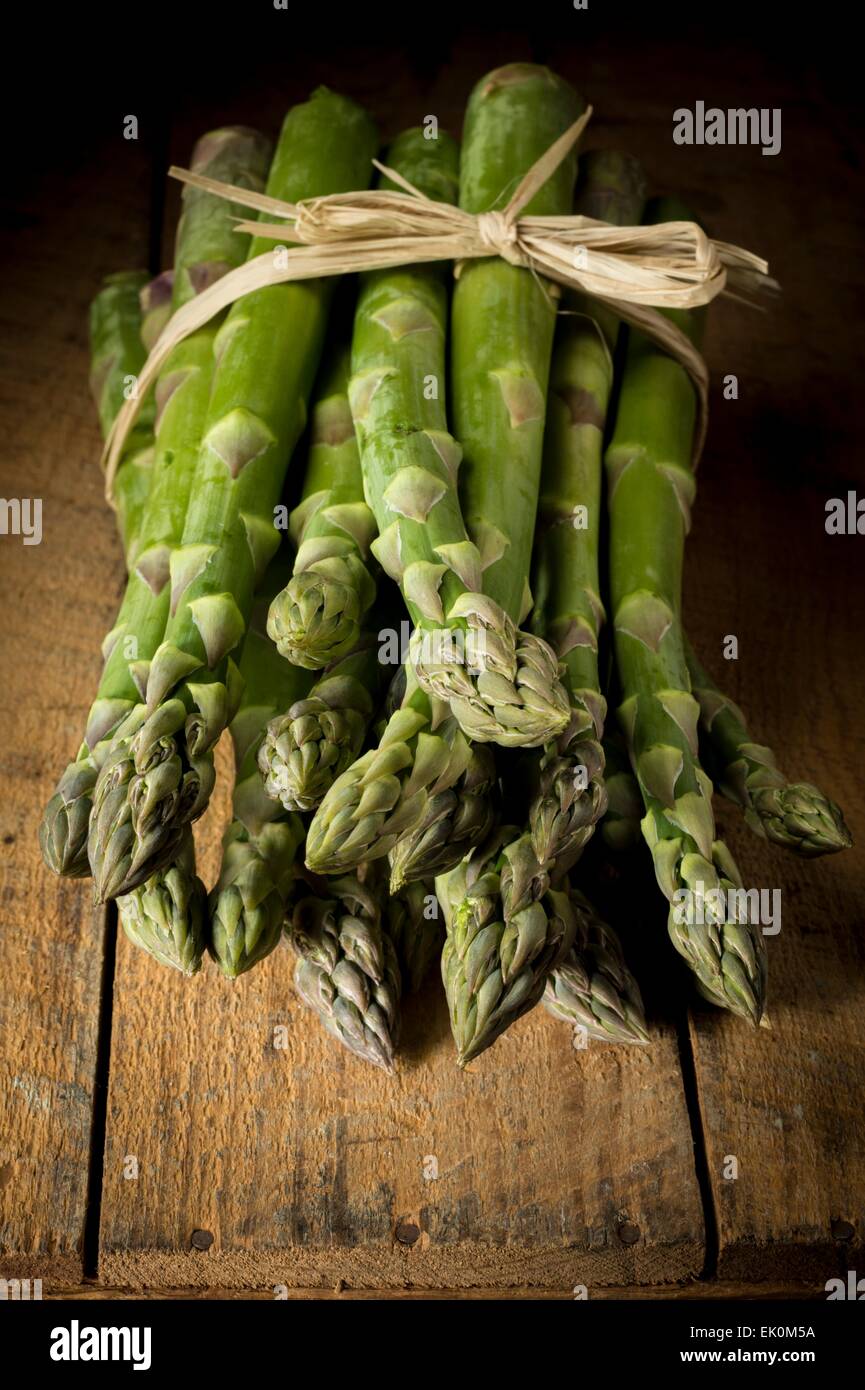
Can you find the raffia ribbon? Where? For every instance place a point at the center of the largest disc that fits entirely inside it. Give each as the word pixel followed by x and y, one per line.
pixel 633 270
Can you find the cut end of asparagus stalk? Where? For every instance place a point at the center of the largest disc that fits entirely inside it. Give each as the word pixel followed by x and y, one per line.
pixel 612 184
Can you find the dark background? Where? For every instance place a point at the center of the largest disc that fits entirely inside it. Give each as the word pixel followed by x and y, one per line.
pixel 184 67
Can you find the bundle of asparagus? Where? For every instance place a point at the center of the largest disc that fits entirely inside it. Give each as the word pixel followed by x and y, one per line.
pixel 459 436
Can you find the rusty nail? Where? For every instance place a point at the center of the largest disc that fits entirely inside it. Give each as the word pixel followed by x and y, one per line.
pixel 407 1233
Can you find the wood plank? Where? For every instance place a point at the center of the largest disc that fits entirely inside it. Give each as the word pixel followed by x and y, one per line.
pixel 698 1291
pixel 788 1103
pixel 249 1151
pixel 58 599
pixel 307 1167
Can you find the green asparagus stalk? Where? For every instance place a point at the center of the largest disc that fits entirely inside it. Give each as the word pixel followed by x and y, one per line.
pixel 620 827
pixel 156 309
pixel 415 927
pixel 347 970
pixel 502 325
pixel 409 469
pixel 116 355
pixel 410 462
pixel 207 246
pixel 456 819
pixel 795 815
pixel 316 739
pixel 570 796
pixel 592 988
pixel 317 617
pixel 463 643
pixel 160 772
pixel 167 915
pixel 495 971
pixel 261 845
pixel 116 358
pixel 650 490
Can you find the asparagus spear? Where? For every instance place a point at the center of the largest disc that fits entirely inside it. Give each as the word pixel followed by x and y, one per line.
pixel 620 827
pixel 260 846
pixel 317 738
pixel 494 971
pixel 167 915
pixel 156 308
pixel 650 490
pixel 160 773
pixel 592 988
pixel 347 970
pixel 795 815
pixel 207 246
pixel 415 928
pixel 463 643
pixel 409 459
pixel 116 355
pixel 316 619
pixel 116 358
pixel 409 464
pixel 502 328
pixel 570 796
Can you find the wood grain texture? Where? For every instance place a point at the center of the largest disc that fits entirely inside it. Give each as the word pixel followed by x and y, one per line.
pixel 788 1102
pixel 696 1292
pixel 58 600
pixel 759 565
pixel 308 1167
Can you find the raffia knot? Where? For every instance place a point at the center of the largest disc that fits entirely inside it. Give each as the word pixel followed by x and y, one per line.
pixel 635 271
pixel 499 233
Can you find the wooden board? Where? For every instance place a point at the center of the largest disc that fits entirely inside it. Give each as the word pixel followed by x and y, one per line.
pixel 306 1167
pixel 58 599
pixel 787 1103
pixel 697 1292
